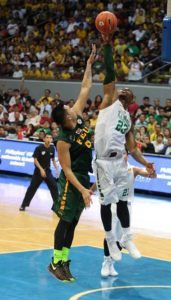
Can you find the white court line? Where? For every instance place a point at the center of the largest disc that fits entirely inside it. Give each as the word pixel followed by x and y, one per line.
pixel 24 243
pixel 79 295
pixel 32 250
pixel 20 251
pixel 23 228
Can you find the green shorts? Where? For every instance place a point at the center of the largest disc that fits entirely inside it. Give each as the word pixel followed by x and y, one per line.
pixel 70 203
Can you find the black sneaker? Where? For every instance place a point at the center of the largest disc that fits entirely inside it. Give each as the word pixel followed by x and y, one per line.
pixel 22 208
pixel 58 271
pixel 67 270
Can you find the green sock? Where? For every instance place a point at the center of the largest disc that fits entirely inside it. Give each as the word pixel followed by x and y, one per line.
pixel 65 253
pixel 109 64
pixel 57 256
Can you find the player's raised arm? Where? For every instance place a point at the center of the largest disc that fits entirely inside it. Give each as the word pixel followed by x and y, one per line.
pixel 110 93
pixel 86 84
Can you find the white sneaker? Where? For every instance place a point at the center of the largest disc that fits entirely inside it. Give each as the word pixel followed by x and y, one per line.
pixel 115 253
pixel 126 242
pixel 108 267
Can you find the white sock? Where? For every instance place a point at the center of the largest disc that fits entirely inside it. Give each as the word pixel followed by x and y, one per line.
pixel 126 230
pixel 109 234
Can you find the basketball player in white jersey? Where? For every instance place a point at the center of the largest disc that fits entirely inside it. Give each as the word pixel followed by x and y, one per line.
pixel 108 263
pixel 113 130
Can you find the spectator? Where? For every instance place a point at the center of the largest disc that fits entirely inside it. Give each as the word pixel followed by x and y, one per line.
pixel 141 121
pixel 132 108
pixel 154 135
pixel 135 69
pixel 146 104
pixel 143 132
pixel 15 117
pixel 158 144
pixel 46 95
pixel 167 148
pixel 3 133
pixel 133 48
pixel 167 135
pixel 139 33
pixel 159 117
pixel 45 107
pixel 151 125
pixel 18 73
pixel 164 122
pixel 45 118
pixel 33 118
pixel 121 70
pixel 147 146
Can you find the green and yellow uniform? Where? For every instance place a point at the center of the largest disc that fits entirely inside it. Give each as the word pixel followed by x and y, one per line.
pixel 70 203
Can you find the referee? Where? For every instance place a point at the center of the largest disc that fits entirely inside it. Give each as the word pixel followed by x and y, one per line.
pixel 42 157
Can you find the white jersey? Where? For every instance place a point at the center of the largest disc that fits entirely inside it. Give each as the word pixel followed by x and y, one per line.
pixel 112 124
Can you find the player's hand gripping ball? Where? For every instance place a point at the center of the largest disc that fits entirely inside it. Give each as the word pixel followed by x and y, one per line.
pixel 106 22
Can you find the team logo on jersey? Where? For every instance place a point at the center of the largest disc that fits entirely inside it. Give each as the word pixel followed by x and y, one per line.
pixel 43 152
pixel 79 121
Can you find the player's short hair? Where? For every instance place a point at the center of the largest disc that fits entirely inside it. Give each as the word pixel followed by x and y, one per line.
pixel 58 113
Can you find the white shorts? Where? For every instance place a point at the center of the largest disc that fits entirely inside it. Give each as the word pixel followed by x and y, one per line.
pixel 111 179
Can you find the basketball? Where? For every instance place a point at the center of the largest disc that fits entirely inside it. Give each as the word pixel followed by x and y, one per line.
pixel 106 22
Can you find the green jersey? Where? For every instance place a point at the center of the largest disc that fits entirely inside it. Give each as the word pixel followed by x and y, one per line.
pixel 81 147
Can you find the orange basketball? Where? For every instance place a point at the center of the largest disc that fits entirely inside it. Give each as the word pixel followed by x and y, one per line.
pixel 106 22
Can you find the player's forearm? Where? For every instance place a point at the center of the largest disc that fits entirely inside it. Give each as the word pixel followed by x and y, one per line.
pixel 109 64
pixel 137 155
pixel 87 79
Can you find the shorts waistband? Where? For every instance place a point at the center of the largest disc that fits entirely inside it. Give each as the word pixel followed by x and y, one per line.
pixel 112 155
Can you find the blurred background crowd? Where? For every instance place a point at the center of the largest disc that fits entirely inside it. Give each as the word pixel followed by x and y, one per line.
pixel 22 117
pixel 51 39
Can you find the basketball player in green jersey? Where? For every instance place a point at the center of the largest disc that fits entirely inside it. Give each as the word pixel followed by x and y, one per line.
pixel 75 157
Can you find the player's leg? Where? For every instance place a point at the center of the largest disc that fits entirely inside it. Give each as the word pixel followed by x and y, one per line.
pixel 76 208
pixel 108 263
pixel 56 265
pixel 66 249
pixel 34 184
pixel 67 209
pixel 123 212
pixel 106 189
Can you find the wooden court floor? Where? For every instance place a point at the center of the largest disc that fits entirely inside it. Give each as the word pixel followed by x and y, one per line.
pixel 34 229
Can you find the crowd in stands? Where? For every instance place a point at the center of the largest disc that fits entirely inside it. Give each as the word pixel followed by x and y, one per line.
pixel 21 117
pixel 51 39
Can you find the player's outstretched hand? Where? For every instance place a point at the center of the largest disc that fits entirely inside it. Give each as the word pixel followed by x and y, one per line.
pixel 86 194
pixel 92 56
pixel 151 169
pixel 107 38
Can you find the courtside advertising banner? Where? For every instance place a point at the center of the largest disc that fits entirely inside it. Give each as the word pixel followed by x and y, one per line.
pixel 16 157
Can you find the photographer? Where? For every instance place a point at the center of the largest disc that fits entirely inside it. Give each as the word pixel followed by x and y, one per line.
pixel 135 69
